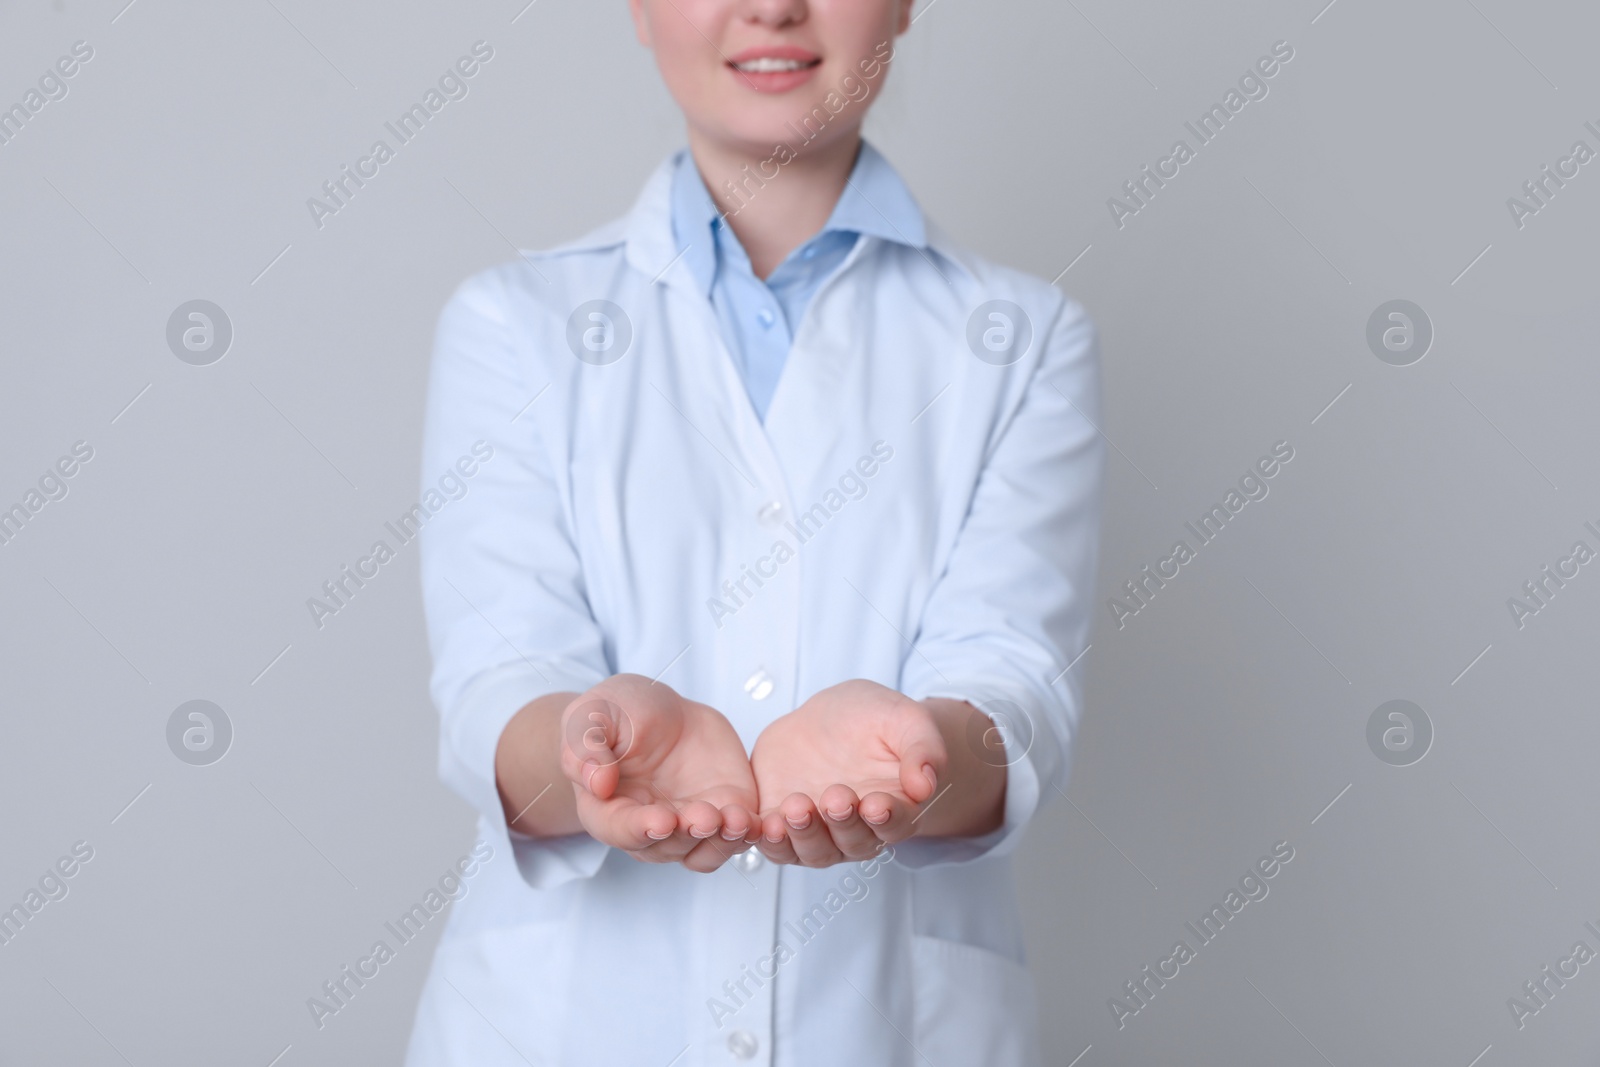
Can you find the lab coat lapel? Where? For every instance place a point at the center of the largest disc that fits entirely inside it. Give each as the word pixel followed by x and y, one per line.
pixel 722 412
pixel 820 394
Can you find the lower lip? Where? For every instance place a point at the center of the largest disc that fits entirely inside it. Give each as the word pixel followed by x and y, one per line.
pixel 776 81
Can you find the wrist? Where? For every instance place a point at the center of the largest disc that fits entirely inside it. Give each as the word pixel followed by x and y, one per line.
pixel 535 796
pixel 970 798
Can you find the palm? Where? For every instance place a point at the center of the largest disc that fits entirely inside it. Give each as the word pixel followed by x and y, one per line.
pixel 795 755
pixel 654 767
pixel 686 754
pixel 852 734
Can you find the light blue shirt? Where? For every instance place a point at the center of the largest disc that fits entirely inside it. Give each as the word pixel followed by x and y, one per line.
pixel 759 318
pixel 918 508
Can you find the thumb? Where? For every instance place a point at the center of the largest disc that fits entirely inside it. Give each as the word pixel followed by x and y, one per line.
pixel 923 758
pixel 589 752
pixel 598 778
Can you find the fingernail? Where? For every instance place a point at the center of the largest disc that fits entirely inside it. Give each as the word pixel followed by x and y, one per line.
pixel 877 820
pixel 729 835
pixel 778 840
pixel 652 835
pixel 839 816
pixel 800 823
pixel 927 769
pixel 695 832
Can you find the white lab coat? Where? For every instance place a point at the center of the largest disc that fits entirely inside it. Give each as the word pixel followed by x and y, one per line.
pixel 623 490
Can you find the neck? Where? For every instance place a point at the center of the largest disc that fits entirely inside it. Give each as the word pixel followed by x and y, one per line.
pixel 776 208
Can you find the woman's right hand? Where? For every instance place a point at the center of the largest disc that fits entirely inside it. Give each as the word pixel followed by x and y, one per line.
pixel 663 778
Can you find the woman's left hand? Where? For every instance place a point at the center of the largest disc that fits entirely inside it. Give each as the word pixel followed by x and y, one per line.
pixel 853 769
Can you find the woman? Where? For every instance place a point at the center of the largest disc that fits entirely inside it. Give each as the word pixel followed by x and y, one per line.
pixel 751 633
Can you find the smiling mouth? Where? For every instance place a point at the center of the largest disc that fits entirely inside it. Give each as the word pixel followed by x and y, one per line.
pixel 771 65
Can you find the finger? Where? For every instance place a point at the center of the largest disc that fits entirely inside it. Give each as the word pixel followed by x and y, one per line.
pixel 890 817
pixel 708 855
pixel 671 849
pixel 774 840
pixel 739 825
pixel 675 845
pixel 627 824
pixel 853 837
pixel 700 820
pixel 813 844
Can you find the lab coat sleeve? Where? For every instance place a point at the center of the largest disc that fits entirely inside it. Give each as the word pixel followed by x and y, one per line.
pixel 1012 608
pixel 502 586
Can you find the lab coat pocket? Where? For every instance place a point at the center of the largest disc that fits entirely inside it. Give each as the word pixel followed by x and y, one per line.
pixel 973 1006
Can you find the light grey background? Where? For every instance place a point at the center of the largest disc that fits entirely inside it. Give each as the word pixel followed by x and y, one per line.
pixel 1224 717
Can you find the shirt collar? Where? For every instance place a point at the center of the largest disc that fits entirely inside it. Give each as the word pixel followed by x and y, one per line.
pixel 875 201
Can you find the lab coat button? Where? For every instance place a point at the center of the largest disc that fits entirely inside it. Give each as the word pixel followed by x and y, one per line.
pixel 770 512
pixel 743 1044
pixel 766 317
pixel 748 861
pixel 759 685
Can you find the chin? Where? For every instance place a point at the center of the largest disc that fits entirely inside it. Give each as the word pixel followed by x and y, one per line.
pixel 778 126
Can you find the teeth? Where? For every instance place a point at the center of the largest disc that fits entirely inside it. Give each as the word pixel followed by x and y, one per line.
pixel 768 65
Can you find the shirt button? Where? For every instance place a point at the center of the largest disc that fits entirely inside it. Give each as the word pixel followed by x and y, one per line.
pixel 748 861
pixel 770 512
pixel 766 318
pixel 809 253
pixel 743 1044
pixel 759 685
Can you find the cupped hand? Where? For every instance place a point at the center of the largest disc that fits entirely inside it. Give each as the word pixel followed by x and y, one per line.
pixel 845 773
pixel 662 777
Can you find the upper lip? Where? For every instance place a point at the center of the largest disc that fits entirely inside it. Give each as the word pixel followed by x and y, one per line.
pixel 779 51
